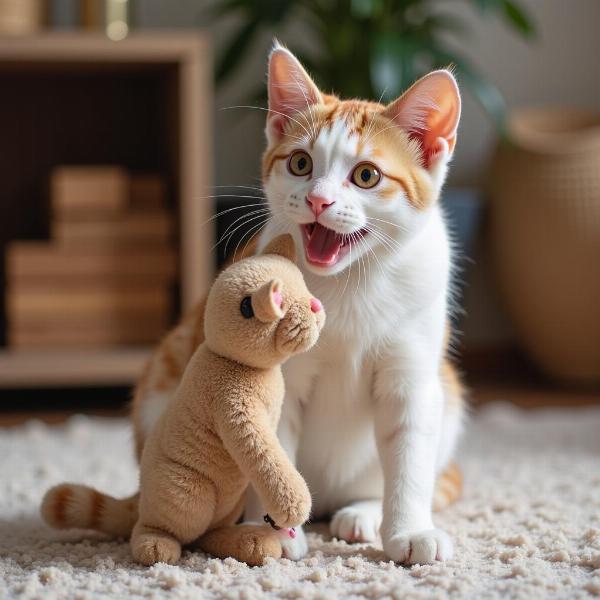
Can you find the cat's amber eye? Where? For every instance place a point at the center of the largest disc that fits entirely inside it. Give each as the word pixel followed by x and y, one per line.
pixel 366 175
pixel 300 163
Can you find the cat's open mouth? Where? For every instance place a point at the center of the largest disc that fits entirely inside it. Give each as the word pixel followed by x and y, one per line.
pixel 325 247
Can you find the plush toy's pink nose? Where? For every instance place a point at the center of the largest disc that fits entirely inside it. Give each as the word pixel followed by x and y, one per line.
pixel 318 203
pixel 315 305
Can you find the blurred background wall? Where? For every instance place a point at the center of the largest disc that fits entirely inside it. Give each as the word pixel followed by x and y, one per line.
pixel 560 65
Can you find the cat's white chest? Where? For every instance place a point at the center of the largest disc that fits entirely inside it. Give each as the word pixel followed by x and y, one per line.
pixel 337 451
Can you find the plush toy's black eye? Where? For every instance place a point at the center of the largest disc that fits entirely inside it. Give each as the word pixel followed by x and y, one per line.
pixel 246 308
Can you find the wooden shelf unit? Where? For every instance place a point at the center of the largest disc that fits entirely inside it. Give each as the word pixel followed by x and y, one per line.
pixel 79 98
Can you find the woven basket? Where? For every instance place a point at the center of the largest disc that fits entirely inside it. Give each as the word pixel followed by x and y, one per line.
pixel 545 238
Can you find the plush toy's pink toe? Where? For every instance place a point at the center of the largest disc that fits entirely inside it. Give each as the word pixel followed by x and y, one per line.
pixel 315 305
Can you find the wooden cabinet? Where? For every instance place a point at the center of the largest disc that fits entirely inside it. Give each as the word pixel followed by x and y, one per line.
pixel 144 103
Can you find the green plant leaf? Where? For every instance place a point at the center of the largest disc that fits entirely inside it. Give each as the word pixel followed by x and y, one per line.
pixel 366 8
pixel 519 19
pixel 487 5
pixel 235 50
pixel 392 63
pixel 445 22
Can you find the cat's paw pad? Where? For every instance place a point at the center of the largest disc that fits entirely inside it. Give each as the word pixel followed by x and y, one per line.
pixel 149 549
pixel 422 547
pixel 293 548
pixel 355 525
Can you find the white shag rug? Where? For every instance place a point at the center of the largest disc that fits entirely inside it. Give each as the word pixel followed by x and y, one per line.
pixel 527 527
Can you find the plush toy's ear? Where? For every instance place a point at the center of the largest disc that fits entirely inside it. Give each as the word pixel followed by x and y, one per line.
pixel 291 91
pixel 267 300
pixel 430 111
pixel 283 245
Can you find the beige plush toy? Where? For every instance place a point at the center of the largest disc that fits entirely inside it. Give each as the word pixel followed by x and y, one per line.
pixel 218 431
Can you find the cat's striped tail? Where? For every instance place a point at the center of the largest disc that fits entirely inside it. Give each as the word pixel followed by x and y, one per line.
pixel 68 505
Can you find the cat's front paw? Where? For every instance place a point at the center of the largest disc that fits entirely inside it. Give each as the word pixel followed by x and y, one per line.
pixel 420 547
pixel 356 524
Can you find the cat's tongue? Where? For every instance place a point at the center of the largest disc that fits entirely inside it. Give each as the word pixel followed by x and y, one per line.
pixel 324 245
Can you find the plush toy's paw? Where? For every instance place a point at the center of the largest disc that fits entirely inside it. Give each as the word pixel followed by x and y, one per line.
pixel 293 548
pixel 292 507
pixel 293 515
pixel 258 544
pixel 356 524
pixel 422 547
pixel 150 548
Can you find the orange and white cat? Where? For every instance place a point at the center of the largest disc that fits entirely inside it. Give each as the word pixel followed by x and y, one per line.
pixel 372 413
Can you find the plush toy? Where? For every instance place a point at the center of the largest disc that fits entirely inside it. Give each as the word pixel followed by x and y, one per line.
pixel 218 432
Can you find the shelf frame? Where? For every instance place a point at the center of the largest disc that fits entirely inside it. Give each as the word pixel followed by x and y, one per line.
pixel 191 54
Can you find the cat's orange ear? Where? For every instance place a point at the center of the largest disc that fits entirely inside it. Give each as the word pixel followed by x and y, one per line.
pixel 291 91
pixel 283 245
pixel 430 112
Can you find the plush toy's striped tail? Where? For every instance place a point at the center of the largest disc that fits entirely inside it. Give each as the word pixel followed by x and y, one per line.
pixel 68 506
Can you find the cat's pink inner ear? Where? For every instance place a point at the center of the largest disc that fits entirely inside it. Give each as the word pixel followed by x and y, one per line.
pixel 277 298
pixel 291 91
pixel 428 111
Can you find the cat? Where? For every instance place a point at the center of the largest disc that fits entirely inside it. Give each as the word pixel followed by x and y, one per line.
pixel 373 412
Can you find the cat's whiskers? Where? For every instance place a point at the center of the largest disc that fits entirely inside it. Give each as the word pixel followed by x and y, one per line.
pixel 293 109
pixel 244 187
pixel 382 238
pixel 270 110
pixel 237 207
pixel 310 107
pixel 245 215
pixel 257 227
pixel 376 133
pixel 361 258
pixel 395 243
pixel 242 224
pixel 349 269
pixel 369 252
pixel 386 243
pixel 401 227
pixel 277 229
pixel 353 236
pixel 373 114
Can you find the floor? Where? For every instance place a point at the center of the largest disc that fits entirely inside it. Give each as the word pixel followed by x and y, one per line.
pixel 525 528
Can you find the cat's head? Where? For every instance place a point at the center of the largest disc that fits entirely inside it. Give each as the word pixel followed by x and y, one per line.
pixel 259 311
pixel 347 177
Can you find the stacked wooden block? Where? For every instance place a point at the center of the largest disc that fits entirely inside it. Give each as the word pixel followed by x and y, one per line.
pixel 105 278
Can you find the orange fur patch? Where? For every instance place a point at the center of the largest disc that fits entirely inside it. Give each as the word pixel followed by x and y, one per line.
pixel 453 386
pixel 448 487
pixel 379 139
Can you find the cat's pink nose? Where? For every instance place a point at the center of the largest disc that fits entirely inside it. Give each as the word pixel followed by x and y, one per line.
pixel 315 305
pixel 318 203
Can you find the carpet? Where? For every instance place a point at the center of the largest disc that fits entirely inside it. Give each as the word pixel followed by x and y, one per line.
pixel 528 525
